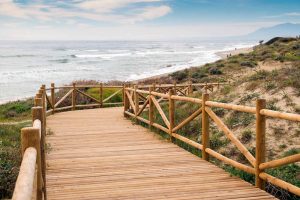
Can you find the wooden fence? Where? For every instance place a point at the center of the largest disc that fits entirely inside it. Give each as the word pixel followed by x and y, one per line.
pixel 151 100
pixel 31 181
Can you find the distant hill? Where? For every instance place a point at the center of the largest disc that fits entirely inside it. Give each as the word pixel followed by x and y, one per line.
pixel 280 30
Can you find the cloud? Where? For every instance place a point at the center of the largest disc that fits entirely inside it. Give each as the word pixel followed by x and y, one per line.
pixel 290 14
pixel 107 6
pixel 116 11
pixel 293 14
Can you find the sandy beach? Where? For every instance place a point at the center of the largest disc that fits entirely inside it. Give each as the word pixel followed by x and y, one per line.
pixel 225 54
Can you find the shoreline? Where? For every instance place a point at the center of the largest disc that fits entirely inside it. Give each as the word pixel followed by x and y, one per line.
pixel 220 54
pixel 226 54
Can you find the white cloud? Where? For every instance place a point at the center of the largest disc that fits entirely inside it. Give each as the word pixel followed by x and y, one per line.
pixel 290 14
pixel 107 6
pixel 104 10
pixel 293 14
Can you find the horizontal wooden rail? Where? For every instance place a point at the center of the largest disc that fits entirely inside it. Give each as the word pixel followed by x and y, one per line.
pixel 280 115
pixel 187 99
pixel 231 106
pixel 230 161
pixel 188 141
pixel 280 162
pixel 280 183
pixel 24 185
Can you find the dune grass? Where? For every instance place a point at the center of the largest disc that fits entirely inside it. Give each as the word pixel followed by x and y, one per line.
pixel 10 157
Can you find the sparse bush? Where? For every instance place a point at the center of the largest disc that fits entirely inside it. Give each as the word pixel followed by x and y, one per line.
pixel 248 97
pixel 259 75
pixel 248 64
pixel 215 71
pixel 246 136
pixel 180 75
pixel 272 106
pixel 282 146
pixel 270 86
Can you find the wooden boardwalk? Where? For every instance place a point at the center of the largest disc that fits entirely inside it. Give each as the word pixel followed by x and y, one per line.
pixel 98 154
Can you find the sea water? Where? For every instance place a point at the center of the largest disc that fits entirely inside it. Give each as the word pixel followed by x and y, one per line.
pixel 25 65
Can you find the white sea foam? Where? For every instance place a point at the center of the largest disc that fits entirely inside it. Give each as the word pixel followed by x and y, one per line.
pixel 103 56
pixel 104 61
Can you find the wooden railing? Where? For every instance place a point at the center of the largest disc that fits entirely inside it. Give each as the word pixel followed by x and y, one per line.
pixel 31 181
pixel 54 103
pixel 136 101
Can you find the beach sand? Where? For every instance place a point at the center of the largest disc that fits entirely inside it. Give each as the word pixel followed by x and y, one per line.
pixel 225 54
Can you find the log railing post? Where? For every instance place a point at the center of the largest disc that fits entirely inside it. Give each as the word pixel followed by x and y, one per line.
pixel 171 113
pixel 205 127
pixel 38 101
pixel 30 137
pixel 39 113
pixel 74 97
pixel 154 86
pixel 205 88
pixel 123 95
pixel 53 97
pixel 126 102
pixel 190 88
pixel 260 141
pixel 151 108
pixel 101 95
pixel 175 89
pixel 136 101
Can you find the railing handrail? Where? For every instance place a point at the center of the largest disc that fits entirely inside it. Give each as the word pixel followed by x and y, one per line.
pixel 258 163
pixel 25 181
pixel 33 150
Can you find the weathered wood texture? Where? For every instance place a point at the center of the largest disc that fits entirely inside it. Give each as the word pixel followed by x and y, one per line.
pixel 98 154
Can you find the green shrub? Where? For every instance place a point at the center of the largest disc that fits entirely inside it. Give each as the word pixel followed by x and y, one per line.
pixel 247 136
pixel 10 158
pixel 215 71
pixel 250 64
pixel 16 110
pixel 217 140
pixel 180 75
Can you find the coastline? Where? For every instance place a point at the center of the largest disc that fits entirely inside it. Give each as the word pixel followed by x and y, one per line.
pixel 221 54
pixel 226 54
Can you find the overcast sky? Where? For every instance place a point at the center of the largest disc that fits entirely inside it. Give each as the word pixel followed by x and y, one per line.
pixel 139 19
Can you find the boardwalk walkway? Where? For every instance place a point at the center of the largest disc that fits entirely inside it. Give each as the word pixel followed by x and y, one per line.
pixel 98 154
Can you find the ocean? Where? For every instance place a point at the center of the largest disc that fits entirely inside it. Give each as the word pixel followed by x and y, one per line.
pixel 25 65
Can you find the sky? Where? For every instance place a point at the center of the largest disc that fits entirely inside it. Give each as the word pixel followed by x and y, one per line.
pixel 140 19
